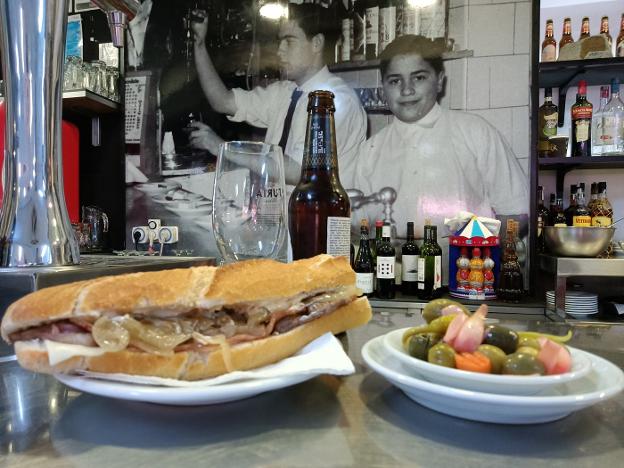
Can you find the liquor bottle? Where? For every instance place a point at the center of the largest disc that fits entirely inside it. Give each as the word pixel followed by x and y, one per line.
pixel 430 265
pixel 548 114
pixel 581 217
pixel 358 20
pixel 542 219
pixel 363 265
pixel 319 210
pixel 347 34
pixel 597 146
pixel 593 196
pixel 566 37
pixel 409 19
pixel 378 232
pixel 602 211
pixel 386 262
pixel 387 23
pixel 549 44
pixel 619 42
pixel 581 112
pixel 584 28
pixel 510 281
pixel 569 211
pixel 558 215
pixel 604 30
pixel 409 263
pixel 372 30
pixel 612 136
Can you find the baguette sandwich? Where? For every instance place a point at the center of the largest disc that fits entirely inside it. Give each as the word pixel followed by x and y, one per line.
pixel 186 324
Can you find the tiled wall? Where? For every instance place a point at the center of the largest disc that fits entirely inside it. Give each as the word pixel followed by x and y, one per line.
pixel 494 83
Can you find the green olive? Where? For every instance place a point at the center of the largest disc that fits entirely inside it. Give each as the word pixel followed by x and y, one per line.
pixel 528 341
pixel 442 354
pixel 527 350
pixel 496 356
pixel 419 345
pixel 501 337
pixel 523 364
pixel 433 309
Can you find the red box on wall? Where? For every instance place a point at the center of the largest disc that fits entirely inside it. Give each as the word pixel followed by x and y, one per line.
pixel 71 177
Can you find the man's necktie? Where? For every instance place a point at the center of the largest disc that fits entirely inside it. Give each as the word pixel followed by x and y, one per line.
pixel 296 94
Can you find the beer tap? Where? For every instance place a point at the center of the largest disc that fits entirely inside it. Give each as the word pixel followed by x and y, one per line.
pixel 386 197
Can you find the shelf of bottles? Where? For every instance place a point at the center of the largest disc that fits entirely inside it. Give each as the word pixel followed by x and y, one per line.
pixel 605 162
pixel 371 64
pixel 569 73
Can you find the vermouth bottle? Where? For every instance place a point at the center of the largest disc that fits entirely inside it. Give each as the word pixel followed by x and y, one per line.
pixel 581 123
pixel 363 265
pixel 319 210
pixel 386 262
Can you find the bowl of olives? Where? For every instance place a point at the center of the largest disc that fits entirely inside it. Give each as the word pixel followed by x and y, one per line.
pixel 514 364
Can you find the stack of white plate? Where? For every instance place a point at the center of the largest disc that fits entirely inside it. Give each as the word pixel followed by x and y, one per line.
pixel 577 303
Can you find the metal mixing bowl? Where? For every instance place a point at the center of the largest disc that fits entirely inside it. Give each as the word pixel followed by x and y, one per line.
pixel 578 241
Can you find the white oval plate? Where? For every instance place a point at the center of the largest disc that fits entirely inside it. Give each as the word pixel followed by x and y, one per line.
pixel 492 383
pixel 605 381
pixel 181 396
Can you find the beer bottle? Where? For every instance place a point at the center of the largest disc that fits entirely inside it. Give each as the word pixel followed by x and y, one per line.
pixel 319 210
pixel 363 266
pixel 409 263
pixel 386 258
pixel 549 44
pixel 566 37
pixel 430 265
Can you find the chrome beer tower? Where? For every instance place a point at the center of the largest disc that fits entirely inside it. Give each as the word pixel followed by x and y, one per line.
pixel 34 225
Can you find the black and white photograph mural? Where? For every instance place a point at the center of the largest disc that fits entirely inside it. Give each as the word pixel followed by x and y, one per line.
pixel 432 104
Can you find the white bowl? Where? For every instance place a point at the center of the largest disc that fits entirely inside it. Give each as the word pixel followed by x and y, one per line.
pixel 490 383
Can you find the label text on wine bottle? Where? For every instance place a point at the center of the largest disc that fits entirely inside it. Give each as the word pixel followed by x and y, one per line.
pixel 437 280
pixel 365 282
pixel 385 267
pixel 339 236
pixel 409 267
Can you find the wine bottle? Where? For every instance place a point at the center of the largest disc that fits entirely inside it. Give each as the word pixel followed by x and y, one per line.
pixel 363 265
pixel 430 265
pixel 319 211
pixel 409 263
pixel 386 259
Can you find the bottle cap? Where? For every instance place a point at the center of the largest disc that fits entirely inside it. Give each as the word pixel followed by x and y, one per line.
pixel 379 223
pixel 582 87
pixel 604 91
pixel 615 85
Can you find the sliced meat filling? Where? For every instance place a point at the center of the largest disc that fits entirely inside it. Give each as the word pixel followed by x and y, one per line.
pixel 200 329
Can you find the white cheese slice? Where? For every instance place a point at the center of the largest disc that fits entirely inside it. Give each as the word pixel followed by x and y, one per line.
pixel 59 352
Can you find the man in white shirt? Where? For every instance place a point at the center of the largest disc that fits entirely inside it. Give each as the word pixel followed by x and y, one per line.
pixel 439 162
pixel 304 40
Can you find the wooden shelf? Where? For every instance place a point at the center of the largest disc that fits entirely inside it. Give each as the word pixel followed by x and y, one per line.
pixel 569 72
pixel 85 102
pixel 598 162
pixel 368 64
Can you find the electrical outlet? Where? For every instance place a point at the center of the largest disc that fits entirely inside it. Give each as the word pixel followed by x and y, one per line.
pixel 154 224
pixel 142 234
pixel 168 234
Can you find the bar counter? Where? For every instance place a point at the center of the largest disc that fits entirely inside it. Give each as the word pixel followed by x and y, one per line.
pixel 360 420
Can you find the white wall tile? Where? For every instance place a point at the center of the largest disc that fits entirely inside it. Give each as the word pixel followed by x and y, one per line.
pixel 351 77
pixel 478 83
pixel 457 26
pixel 490 29
pixel 509 78
pixel 369 78
pixel 520 139
pixel 500 119
pixel 479 2
pixel 456 71
pixel 456 3
pixel 522 28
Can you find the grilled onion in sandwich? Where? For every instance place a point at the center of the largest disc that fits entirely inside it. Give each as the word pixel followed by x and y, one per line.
pixel 187 324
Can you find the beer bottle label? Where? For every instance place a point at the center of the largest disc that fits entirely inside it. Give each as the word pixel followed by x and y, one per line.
pixel 385 267
pixel 364 282
pixel 409 267
pixel 338 236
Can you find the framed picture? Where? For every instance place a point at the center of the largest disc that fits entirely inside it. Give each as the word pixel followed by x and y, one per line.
pixel 83 5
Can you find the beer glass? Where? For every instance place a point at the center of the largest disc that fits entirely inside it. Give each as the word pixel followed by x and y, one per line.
pixel 249 201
